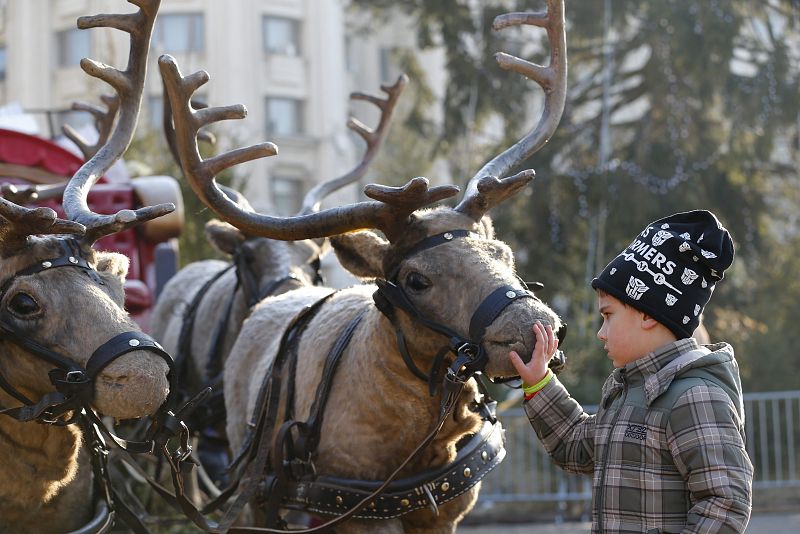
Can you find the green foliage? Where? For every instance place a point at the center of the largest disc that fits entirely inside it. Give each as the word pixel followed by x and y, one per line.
pixel 701 97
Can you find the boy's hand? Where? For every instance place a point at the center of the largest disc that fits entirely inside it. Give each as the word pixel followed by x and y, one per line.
pixel 546 345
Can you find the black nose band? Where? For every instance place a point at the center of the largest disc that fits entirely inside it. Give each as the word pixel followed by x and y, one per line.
pixel 491 308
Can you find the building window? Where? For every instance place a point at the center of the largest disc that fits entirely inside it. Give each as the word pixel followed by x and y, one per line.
pixel 387 68
pixel 284 116
pixel 179 33
pixel 287 195
pixel 155 111
pixel 2 63
pixel 281 35
pixel 73 45
pixel 348 53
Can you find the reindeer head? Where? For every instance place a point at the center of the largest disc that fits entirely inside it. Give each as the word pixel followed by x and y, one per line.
pixel 72 310
pixel 442 268
pixel 61 302
pixel 445 266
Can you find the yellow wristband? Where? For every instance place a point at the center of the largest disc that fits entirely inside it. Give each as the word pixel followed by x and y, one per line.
pixel 538 386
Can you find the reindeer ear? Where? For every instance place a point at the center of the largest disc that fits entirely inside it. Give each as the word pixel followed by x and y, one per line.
pixel 113 264
pixel 361 253
pixel 223 236
pixel 308 249
pixel 487 227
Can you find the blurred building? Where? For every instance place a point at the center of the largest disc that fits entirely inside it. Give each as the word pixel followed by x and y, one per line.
pixel 292 63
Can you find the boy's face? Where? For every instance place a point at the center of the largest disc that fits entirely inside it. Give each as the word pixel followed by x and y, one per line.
pixel 622 332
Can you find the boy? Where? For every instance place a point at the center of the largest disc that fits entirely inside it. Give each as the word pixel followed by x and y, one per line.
pixel 666 447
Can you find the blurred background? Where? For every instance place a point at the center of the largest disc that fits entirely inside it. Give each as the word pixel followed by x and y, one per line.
pixel 671 106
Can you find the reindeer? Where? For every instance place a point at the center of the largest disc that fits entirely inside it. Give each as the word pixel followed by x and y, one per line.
pixel 263 266
pixel 371 370
pixel 68 346
pixel 189 318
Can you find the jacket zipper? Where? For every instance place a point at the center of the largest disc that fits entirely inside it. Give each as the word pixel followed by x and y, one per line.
pixel 606 452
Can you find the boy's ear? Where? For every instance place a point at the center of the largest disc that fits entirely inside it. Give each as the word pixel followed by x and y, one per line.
pixel 648 323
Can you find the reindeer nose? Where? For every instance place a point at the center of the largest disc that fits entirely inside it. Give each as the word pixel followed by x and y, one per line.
pixel 134 385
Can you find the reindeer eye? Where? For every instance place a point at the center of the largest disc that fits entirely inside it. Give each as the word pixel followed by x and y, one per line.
pixel 23 304
pixel 417 282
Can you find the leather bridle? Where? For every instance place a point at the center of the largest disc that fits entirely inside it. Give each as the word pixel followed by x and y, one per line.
pixel 248 280
pixel 470 354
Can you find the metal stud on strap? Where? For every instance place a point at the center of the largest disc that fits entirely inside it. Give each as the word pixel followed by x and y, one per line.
pixel 492 307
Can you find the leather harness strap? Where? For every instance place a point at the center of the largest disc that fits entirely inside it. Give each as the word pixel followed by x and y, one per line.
pixel 213 410
pixel 293 457
pixel 491 308
pixel 454 384
pixel 184 348
pixel 253 455
pixel 335 495
pixel 309 438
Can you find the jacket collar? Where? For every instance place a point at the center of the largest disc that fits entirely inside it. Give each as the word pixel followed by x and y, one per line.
pixel 657 369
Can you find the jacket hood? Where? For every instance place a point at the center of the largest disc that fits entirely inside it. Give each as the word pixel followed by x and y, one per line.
pixel 714 362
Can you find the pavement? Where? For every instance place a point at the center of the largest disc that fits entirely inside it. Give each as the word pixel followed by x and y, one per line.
pixel 763 523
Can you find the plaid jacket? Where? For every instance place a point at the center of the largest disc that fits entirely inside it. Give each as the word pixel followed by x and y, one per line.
pixel 666 448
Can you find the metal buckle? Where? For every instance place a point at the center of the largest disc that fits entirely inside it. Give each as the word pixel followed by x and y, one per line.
pixel 75 376
pixel 47 418
pixel 186 444
pixel 467 348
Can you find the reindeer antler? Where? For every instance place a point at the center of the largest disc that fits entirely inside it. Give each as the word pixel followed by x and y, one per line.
pixel 25 194
pixel 373 139
pixel 129 87
pixel 103 121
pixel 389 216
pixel 18 223
pixel 169 128
pixel 486 189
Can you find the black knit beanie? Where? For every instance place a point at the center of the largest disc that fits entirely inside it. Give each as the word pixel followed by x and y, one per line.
pixel 670 269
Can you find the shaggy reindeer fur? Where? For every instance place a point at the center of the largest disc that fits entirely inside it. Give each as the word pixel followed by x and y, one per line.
pixel 46 475
pixel 378 411
pixel 271 260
